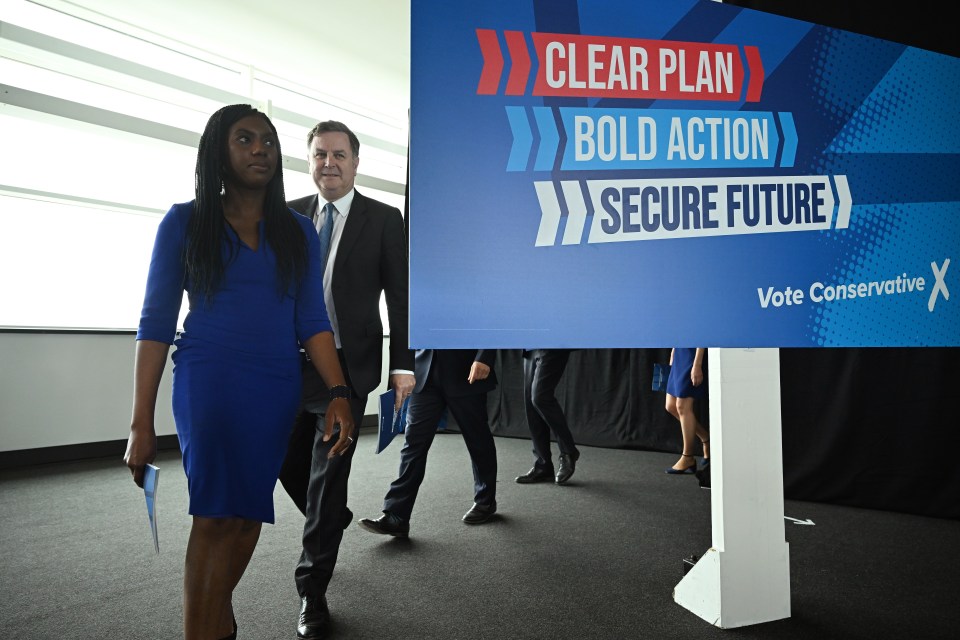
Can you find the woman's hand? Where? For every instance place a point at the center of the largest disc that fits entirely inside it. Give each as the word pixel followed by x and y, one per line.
pixel 141 451
pixel 696 375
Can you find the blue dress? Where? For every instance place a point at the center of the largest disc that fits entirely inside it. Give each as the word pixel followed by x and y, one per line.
pixel 236 373
pixel 678 382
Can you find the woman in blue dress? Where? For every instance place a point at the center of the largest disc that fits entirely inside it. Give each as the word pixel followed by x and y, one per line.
pixel 252 273
pixel 685 384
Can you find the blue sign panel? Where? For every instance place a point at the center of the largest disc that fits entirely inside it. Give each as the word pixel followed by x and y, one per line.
pixel 677 173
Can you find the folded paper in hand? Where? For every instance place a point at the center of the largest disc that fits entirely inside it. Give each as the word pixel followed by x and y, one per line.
pixel 151 479
pixel 391 421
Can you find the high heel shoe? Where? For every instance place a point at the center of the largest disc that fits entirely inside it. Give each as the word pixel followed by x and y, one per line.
pixel 232 636
pixel 686 470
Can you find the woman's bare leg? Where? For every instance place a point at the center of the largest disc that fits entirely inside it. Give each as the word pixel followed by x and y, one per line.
pixel 689 428
pixel 218 552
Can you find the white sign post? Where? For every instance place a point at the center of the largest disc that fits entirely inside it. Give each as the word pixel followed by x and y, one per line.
pixel 744 578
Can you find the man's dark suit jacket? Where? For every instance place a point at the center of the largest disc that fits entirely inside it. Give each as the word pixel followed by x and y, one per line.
pixel 451 368
pixel 371 255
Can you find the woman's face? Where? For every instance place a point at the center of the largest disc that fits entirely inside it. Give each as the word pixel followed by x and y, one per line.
pixel 251 153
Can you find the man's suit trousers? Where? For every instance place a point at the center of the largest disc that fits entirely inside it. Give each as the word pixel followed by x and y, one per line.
pixel 542 371
pixel 423 414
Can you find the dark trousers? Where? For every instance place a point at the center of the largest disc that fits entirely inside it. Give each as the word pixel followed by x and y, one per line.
pixel 318 486
pixel 542 371
pixel 423 414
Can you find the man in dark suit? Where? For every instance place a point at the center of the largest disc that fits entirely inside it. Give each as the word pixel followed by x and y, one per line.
pixel 542 370
pixel 458 379
pixel 366 254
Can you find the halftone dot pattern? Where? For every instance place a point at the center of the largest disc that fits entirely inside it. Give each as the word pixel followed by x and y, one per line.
pixel 838 89
pixel 884 241
pixel 882 250
pixel 865 237
pixel 862 234
pixel 870 126
pixel 899 117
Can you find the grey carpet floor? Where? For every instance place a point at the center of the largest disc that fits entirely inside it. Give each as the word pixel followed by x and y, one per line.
pixel 597 558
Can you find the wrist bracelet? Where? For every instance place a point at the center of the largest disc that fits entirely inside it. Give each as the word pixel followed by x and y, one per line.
pixel 340 391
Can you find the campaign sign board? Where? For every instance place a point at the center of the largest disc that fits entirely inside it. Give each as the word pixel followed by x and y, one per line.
pixel 638 173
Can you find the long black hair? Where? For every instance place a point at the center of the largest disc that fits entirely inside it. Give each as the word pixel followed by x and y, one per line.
pixel 207 232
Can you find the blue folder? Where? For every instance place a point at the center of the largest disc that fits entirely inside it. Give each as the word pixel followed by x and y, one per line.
pixel 660 374
pixel 151 480
pixel 391 421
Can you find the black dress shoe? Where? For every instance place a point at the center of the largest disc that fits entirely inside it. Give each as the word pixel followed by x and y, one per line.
pixel 314 618
pixel 480 513
pixel 387 524
pixel 535 475
pixel 568 464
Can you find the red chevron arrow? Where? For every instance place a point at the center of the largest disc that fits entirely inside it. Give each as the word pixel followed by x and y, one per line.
pixel 755 88
pixel 520 63
pixel 492 62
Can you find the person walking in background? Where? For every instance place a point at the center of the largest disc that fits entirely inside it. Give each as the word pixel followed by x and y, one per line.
pixel 367 256
pixel 685 384
pixel 458 379
pixel 542 371
pixel 251 269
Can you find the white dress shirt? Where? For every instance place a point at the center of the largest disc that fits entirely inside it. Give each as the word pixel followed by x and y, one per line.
pixel 343 210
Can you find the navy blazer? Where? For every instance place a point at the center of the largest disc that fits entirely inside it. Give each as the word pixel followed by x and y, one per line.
pixel 452 367
pixel 371 257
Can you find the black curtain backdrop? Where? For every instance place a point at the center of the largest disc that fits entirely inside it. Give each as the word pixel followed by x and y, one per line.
pixel 868 427
pixel 914 25
pixel 873 428
pixel 606 395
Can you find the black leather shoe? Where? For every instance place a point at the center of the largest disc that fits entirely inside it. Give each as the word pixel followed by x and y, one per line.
pixel 387 524
pixel 568 464
pixel 480 513
pixel 535 475
pixel 314 618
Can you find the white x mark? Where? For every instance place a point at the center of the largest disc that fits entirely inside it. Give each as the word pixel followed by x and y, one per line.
pixel 939 286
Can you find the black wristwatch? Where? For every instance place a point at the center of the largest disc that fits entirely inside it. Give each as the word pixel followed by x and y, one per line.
pixel 340 391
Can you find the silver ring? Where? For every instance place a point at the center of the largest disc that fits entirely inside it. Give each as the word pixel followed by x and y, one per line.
pixel 349 438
